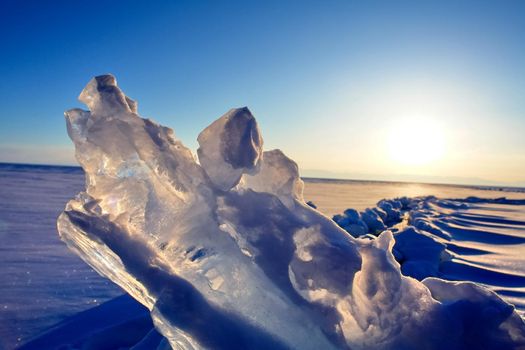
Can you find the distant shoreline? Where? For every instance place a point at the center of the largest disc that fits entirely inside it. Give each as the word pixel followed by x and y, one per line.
pixel 76 168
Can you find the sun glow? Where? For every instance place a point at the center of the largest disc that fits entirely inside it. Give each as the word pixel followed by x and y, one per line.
pixel 416 142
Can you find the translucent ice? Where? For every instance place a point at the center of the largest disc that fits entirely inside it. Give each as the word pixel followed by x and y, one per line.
pixel 230 147
pixel 226 254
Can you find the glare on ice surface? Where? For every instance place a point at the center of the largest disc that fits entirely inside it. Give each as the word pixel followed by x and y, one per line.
pixel 226 254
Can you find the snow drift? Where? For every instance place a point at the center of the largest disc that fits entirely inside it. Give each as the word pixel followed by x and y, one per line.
pixel 226 254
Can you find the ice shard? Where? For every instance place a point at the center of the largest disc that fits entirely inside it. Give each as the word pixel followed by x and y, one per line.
pixel 230 147
pixel 226 254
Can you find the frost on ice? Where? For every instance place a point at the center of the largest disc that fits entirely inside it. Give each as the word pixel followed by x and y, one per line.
pixel 226 254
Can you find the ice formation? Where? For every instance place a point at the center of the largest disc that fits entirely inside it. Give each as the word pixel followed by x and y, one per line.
pixel 226 254
pixel 429 233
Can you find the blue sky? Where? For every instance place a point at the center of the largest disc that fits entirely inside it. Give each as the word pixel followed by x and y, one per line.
pixel 334 84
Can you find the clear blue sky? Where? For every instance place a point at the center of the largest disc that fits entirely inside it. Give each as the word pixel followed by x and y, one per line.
pixel 335 84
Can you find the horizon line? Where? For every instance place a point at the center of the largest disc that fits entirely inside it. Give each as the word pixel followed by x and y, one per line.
pixel 484 186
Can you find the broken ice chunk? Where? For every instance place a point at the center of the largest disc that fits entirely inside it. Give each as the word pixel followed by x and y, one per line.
pixel 230 147
pixel 373 221
pixel 103 96
pixel 278 175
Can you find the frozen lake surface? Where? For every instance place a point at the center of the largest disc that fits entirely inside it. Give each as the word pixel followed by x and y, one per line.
pixel 43 284
pixel 41 281
pixel 334 196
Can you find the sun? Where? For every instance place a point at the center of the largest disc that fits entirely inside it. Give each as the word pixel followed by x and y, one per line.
pixel 416 142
